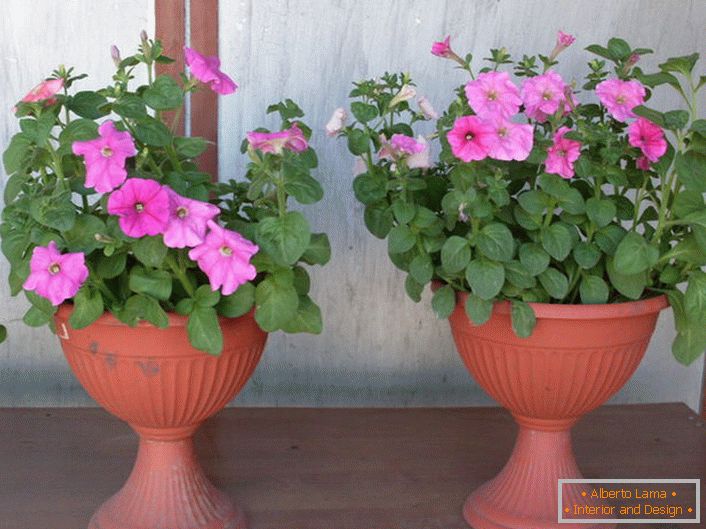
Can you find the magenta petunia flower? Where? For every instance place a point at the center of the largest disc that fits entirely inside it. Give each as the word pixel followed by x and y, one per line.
pixel 337 122
pixel 543 95
pixel 207 70
pixel 275 142
pixel 55 276
pixel 442 48
pixel 510 141
pixel 187 220
pixel 648 137
pixel 143 207
pixel 493 94
pixel 402 144
pixel 105 157
pixel 224 256
pixel 643 163
pixel 470 138
pixel 562 155
pixel 620 97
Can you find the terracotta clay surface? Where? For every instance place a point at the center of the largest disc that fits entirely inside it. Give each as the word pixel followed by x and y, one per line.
pixel 577 357
pixel 154 380
pixel 295 468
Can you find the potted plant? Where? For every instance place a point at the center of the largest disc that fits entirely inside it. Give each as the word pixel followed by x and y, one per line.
pixel 554 227
pixel 161 285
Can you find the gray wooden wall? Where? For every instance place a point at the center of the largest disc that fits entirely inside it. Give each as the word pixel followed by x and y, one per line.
pixel 378 348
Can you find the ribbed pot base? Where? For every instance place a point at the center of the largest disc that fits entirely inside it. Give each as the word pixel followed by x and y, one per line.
pixel 524 495
pixel 167 490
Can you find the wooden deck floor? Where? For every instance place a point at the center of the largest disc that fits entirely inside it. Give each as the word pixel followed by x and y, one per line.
pixel 326 468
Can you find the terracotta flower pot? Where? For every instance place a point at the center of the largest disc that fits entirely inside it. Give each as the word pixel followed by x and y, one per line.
pixel 164 389
pixel 577 357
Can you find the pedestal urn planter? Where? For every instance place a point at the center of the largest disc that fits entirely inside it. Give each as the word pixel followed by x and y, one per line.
pixel 164 389
pixel 577 357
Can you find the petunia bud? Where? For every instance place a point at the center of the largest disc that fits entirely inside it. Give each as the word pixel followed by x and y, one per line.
pixel 144 38
pixel 563 41
pixel 115 54
pixel 337 122
pixel 427 109
pixel 405 94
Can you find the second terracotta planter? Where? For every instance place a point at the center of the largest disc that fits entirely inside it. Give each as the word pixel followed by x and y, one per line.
pixel 164 388
pixel 577 357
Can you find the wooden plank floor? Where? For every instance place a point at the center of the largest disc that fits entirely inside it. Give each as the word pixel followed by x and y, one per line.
pixel 326 468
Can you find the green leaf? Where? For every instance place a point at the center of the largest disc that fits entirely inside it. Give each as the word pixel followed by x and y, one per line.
pixel 455 254
pixel 205 297
pixel 654 116
pixel 110 266
pixel 555 283
pixel 150 250
pixel 676 119
pixel 185 306
pixel 285 238
pixel 163 94
pixel 400 240
pixel 691 169
pixel 275 303
pixel 79 130
pixel 600 212
pixel 523 319
pixel 485 277
pixel 54 212
pixel 534 202
pixel 190 147
pixel 684 64
pixel 82 236
pixel 404 211
pixel 443 302
pixel 306 319
pixel 619 49
pixel 609 237
pixel 17 153
pixel 238 303
pixel 557 241
pixel 152 132
pixel 478 309
pixel 413 289
pixel 364 112
pixel 518 275
pixel 689 345
pixel 421 269
pixel 495 242
pixel 88 105
pixel 534 258
pixel 204 331
pixel 129 106
pixel 319 250
pixel 695 298
pixel 303 187
pixel 369 188
pixel 586 254
pixel 634 254
pixel 600 51
pixel 88 307
pixel 156 283
pixel 358 142
pixel 378 219
pixel 629 285
pixel 3 333
pixel 36 318
pixel 593 289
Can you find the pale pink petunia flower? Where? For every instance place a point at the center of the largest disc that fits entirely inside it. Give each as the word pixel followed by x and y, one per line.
pixel 470 138
pixel 563 41
pixel 442 48
pixel 55 276
pixel 421 159
pixel 224 257
pixel 648 137
pixel 296 141
pixel 275 142
pixel 562 155
pixel 643 163
pixel 406 93
pixel 337 122
pixel 402 144
pixel 510 141
pixel 142 205
pixel 105 157
pixel 359 166
pixel 543 95
pixel 427 109
pixel 493 94
pixel 207 70
pixel 620 97
pixel 187 220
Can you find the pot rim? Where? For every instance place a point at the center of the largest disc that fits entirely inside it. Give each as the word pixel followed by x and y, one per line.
pixel 602 311
pixel 107 319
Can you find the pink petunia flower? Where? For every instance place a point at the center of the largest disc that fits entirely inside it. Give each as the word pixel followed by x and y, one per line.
pixel 224 257
pixel 337 122
pixel 421 159
pixel 207 70
pixel 470 138
pixel 564 39
pixel 55 276
pixel 275 142
pixel 620 97
pixel 406 93
pixel 562 155
pixel 142 205
pixel 442 48
pixel 187 220
pixel 543 95
pixel 493 94
pixel 643 163
pixel 427 109
pixel 510 141
pixel 402 144
pixel 105 157
pixel 44 91
pixel 359 166
pixel 648 137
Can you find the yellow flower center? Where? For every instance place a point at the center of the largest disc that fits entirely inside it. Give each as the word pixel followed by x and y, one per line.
pixel 54 268
pixel 492 95
pixel 139 207
pixel 182 212
pixel 226 251
pixel 620 99
pixel 107 152
pixel 547 96
pixel 469 136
